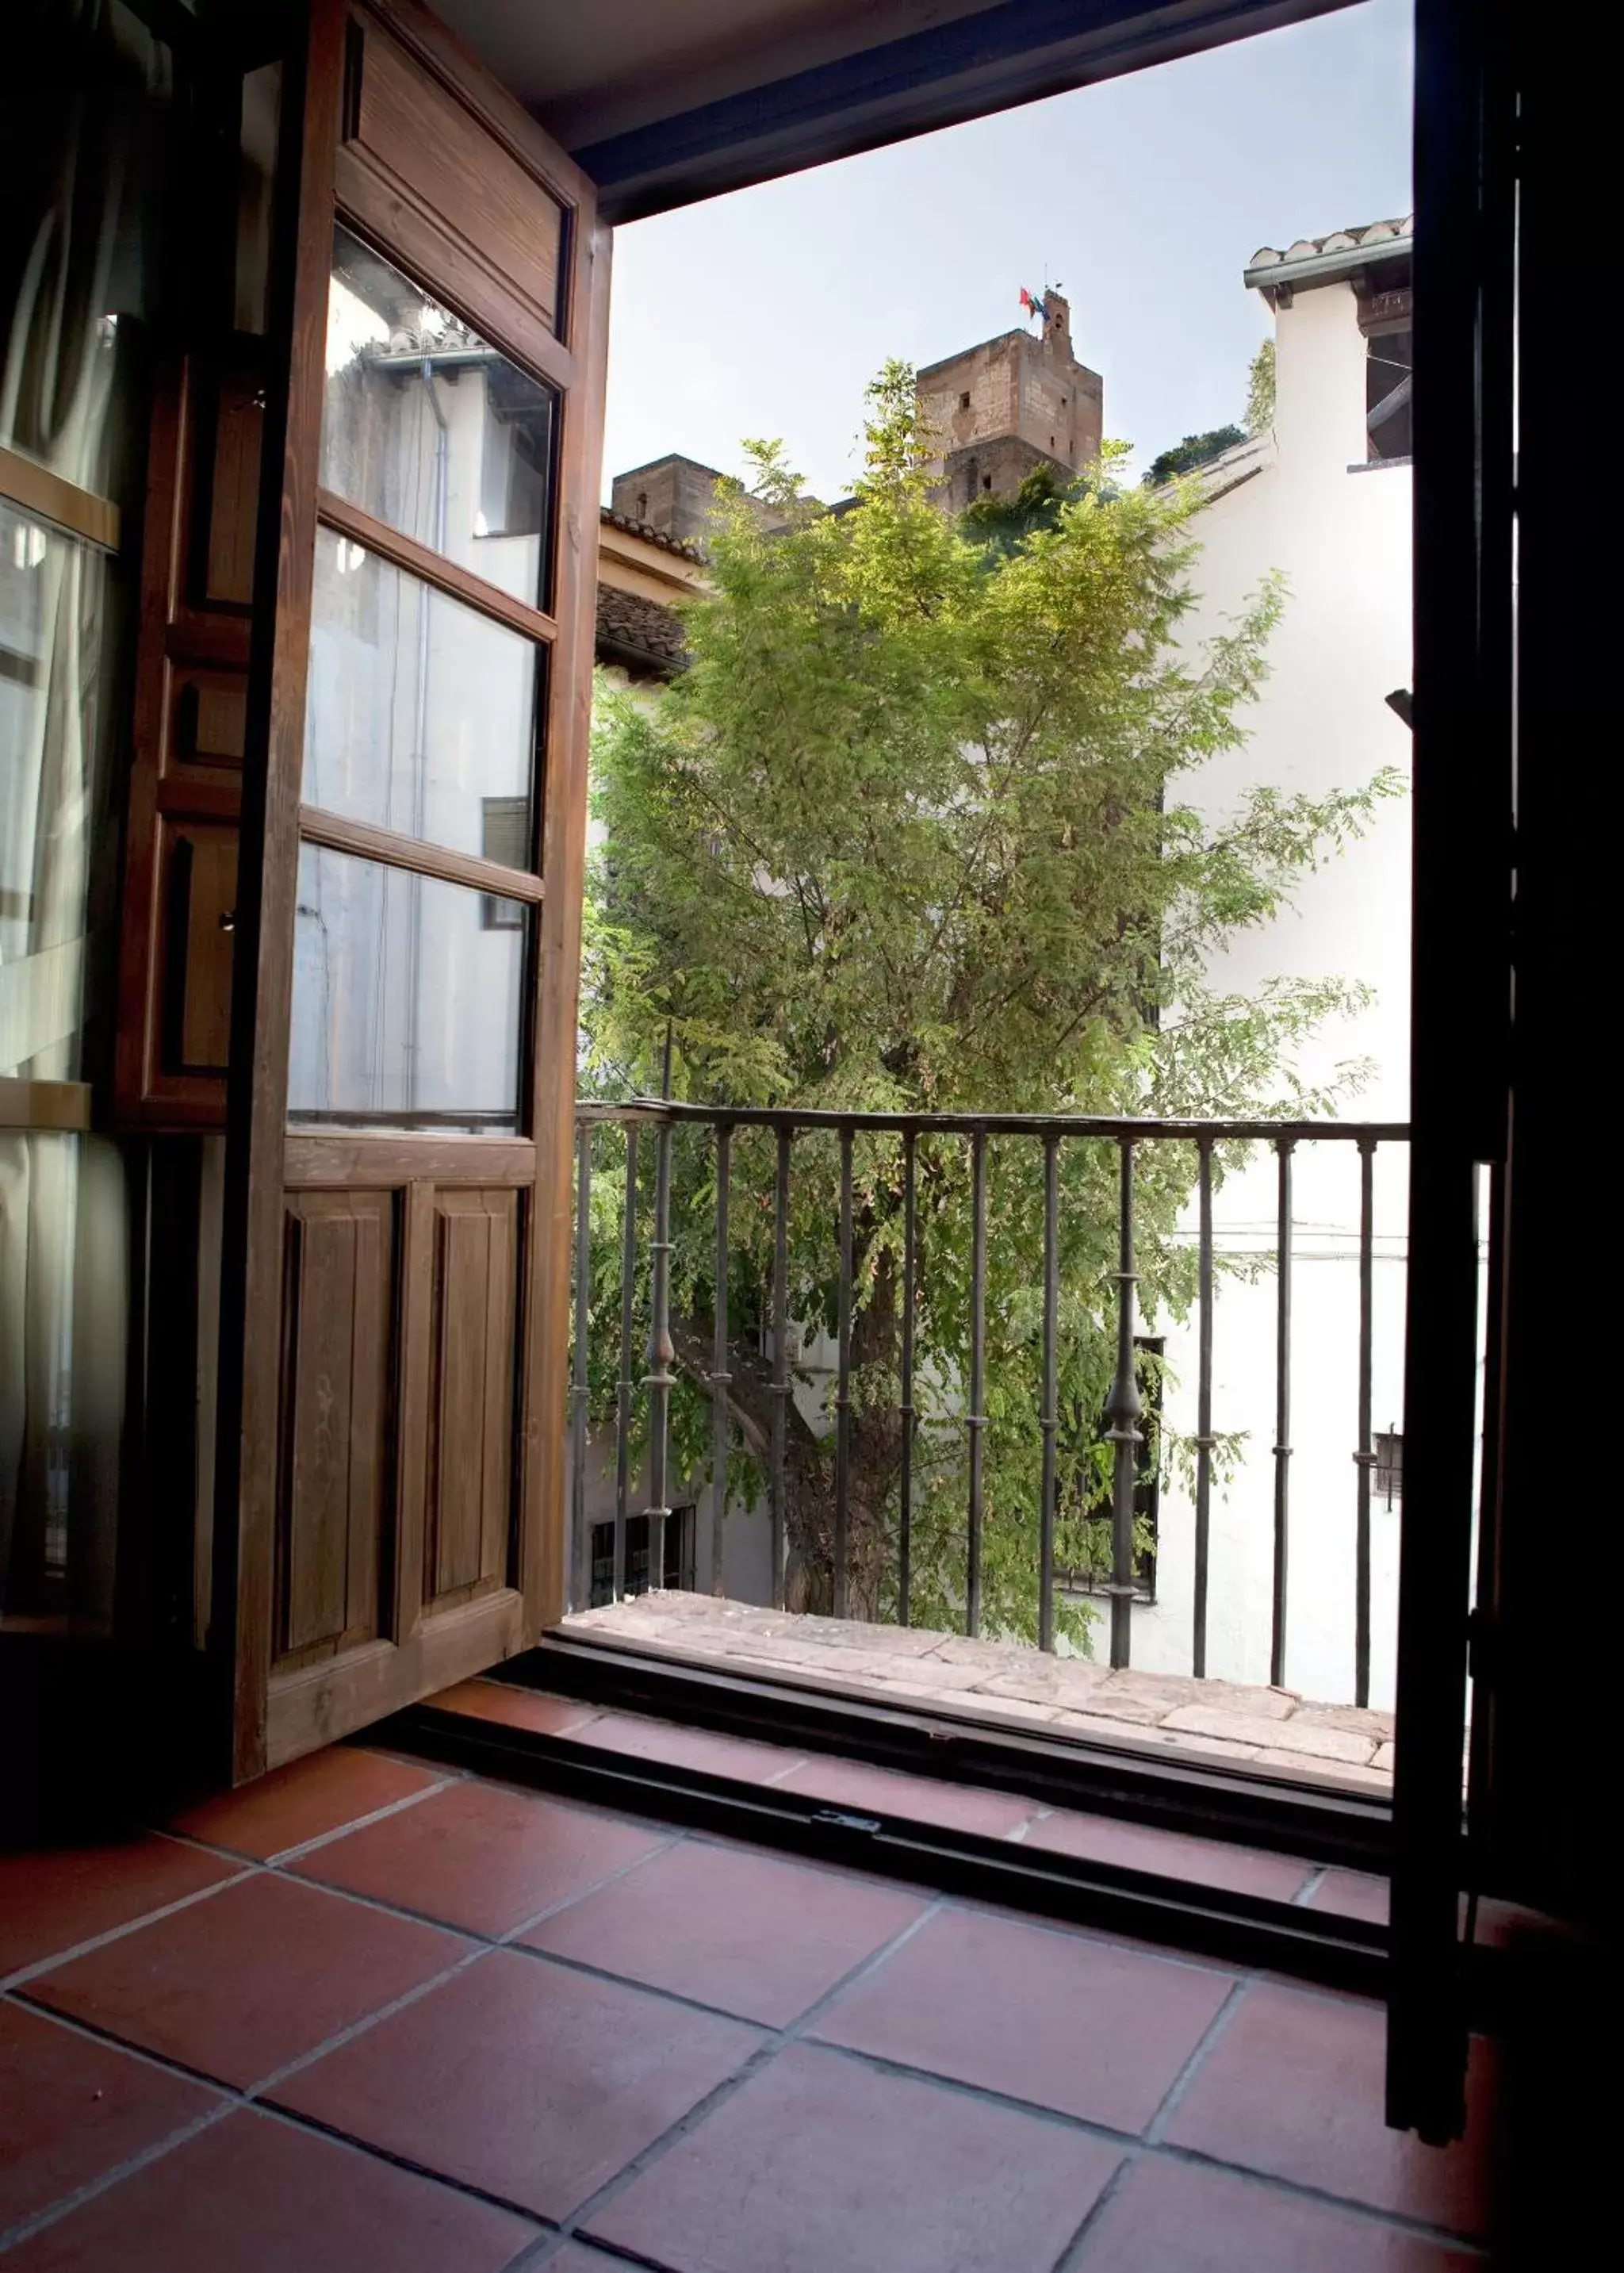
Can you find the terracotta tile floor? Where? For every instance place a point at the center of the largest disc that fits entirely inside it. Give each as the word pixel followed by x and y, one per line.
pixel 375 2014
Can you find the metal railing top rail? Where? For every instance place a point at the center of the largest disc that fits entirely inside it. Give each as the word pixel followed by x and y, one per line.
pixel 655 1109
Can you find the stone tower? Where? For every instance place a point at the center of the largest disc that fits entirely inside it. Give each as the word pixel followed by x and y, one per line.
pixel 1012 403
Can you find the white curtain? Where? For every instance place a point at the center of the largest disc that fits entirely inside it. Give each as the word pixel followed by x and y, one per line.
pixel 78 225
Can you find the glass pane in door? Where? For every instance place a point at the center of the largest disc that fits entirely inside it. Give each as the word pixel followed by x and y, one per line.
pixel 408 1000
pixel 429 428
pixel 421 713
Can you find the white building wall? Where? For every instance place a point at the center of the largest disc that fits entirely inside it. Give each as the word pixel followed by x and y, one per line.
pixel 1340 533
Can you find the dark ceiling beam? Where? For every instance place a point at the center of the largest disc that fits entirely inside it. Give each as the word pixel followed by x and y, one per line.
pixel 1014 53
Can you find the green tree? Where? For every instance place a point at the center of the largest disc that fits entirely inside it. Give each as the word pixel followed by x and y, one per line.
pixel 1261 390
pixel 910 833
pixel 1005 522
pixel 1195 450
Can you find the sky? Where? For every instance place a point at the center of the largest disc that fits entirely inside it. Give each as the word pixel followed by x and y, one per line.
pixel 768 312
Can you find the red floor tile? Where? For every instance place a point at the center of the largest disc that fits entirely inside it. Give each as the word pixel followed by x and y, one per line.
pixel 1088 2027
pixel 513 1707
pixel 54 1897
pixel 304 1800
pixel 521 2078
pixel 1293 2087
pixel 252 2195
pixel 819 2163
pixel 72 2109
pixel 758 1937
pixel 914 1799
pixel 1352 1893
pixel 1138 1847
pixel 238 1985
pixel 1166 2218
pixel 702 1749
pixel 479 1855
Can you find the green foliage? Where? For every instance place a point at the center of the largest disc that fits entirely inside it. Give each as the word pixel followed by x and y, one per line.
pixel 1004 522
pixel 1195 450
pixel 912 833
pixel 1261 390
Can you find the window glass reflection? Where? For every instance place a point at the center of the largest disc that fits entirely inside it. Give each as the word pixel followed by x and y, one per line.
pixel 420 712
pixel 430 429
pixel 406 1000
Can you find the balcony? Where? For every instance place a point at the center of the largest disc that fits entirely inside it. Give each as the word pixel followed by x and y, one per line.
pixel 932 1515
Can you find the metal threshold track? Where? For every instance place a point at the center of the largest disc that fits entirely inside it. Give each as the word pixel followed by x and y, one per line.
pixel 1140 1780
pixel 1247 1930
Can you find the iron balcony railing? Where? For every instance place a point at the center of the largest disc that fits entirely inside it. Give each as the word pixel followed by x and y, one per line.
pixel 1052 1132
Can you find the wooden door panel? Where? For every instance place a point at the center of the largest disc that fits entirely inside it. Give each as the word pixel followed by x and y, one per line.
pixel 335 1489
pixel 197 865
pixel 433 155
pixel 314 1704
pixel 471 1453
pixel 191 735
pixel 398 1490
pixel 208 721
pixel 223 561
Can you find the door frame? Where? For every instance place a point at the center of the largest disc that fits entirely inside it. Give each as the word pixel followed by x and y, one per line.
pixel 325 1700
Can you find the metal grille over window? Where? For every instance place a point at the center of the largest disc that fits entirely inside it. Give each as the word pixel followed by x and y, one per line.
pixel 1389 1450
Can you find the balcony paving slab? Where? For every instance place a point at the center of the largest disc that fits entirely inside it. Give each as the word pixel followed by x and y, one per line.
pixel 1274 1728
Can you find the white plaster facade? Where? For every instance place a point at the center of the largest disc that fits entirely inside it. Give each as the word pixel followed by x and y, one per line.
pixel 1305 501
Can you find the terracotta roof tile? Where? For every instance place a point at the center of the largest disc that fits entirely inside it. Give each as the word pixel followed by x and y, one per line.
pixel 650 535
pixel 1340 240
pixel 639 631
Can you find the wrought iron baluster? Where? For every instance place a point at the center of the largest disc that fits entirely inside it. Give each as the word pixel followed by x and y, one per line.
pixel 904 1559
pixel 719 1374
pixel 1282 1415
pixel 1365 1459
pixel 975 1420
pixel 843 1398
pixel 580 1537
pixel 780 1361
pixel 1124 1414
pixel 1203 1412
pixel 626 1388
pixel 660 1380
pixel 1050 1418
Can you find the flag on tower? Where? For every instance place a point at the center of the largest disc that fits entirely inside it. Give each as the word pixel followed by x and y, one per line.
pixel 1033 306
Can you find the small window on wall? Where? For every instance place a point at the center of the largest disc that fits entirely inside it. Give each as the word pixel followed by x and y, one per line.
pixel 964 401
pixel 515 461
pixel 1388 418
pixel 504 836
pixel 678 1555
pixel 1389 1475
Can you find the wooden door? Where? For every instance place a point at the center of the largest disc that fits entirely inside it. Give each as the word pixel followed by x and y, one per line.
pixel 402 1059
pixel 1461 1038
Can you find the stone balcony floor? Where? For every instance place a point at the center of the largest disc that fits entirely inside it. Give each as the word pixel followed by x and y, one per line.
pixel 1008 1684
